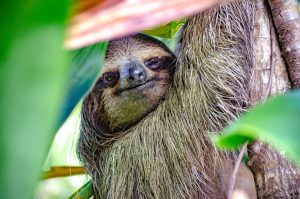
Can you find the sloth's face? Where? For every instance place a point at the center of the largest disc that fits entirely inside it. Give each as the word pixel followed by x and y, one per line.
pixel 134 80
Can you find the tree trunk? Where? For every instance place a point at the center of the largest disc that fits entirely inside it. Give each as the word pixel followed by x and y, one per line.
pixel 286 19
pixel 275 177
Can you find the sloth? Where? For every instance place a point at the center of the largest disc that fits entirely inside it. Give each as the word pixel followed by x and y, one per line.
pixel 137 72
pixel 146 125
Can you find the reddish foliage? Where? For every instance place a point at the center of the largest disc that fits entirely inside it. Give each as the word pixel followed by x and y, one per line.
pixel 106 19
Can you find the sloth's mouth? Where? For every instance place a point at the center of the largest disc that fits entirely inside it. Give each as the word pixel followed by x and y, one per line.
pixel 143 85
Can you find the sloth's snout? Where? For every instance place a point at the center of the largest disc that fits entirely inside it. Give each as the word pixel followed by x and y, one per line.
pixel 132 73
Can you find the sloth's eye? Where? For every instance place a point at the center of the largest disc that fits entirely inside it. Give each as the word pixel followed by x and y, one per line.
pixel 110 77
pixel 153 63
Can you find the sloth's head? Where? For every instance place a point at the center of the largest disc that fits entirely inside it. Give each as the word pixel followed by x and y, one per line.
pixel 137 72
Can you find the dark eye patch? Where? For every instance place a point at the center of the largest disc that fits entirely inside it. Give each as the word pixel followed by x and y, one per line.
pixel 110 76
pixel 157 64
pixel 109 79
pixel 153 63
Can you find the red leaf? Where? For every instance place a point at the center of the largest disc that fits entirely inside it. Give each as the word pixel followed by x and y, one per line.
pixel 114 18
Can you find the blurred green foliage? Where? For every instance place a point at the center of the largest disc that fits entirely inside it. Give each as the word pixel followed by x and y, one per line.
pixel 168 30
pixel 86 65
pixel 276 122
pixel 33 67
pixel 63 152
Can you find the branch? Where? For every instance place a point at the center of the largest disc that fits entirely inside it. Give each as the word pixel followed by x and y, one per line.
pixel 62 171
pixel 235 170
pixel 287 23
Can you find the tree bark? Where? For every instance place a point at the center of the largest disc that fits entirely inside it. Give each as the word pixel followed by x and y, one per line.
pixel 275 177
pixel 286 19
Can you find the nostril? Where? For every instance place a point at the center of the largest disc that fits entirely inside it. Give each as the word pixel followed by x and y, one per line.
pixel 141 75
pixel 135 74
pixel 131 78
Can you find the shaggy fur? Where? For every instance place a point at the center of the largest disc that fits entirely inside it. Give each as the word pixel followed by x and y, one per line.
pixel 121 108
pixel 168 154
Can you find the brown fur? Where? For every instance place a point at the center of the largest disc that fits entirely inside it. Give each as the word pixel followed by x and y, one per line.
pixel 120 110
pixel 168 154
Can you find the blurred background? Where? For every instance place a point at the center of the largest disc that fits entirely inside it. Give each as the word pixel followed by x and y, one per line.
pixel 63 153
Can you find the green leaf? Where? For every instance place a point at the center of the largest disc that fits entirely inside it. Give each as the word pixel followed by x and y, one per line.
pixel 277 122
pixel 33 68
pixel 86 64
pixel 84 192
pixel 167 30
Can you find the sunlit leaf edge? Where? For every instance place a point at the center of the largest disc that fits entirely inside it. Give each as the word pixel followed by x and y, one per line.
pixel 168 30
pixel 86 64
pixel 84 192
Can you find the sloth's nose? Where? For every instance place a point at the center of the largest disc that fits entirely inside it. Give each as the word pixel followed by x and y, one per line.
pixel 132 73
pixel 136 73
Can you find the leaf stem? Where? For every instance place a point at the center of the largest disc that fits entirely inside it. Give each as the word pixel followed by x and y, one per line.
pixel 235 170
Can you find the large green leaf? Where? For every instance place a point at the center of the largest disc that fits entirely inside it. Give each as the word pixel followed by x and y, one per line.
pixel 86 64
pixel 277 122
pixel 33 70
